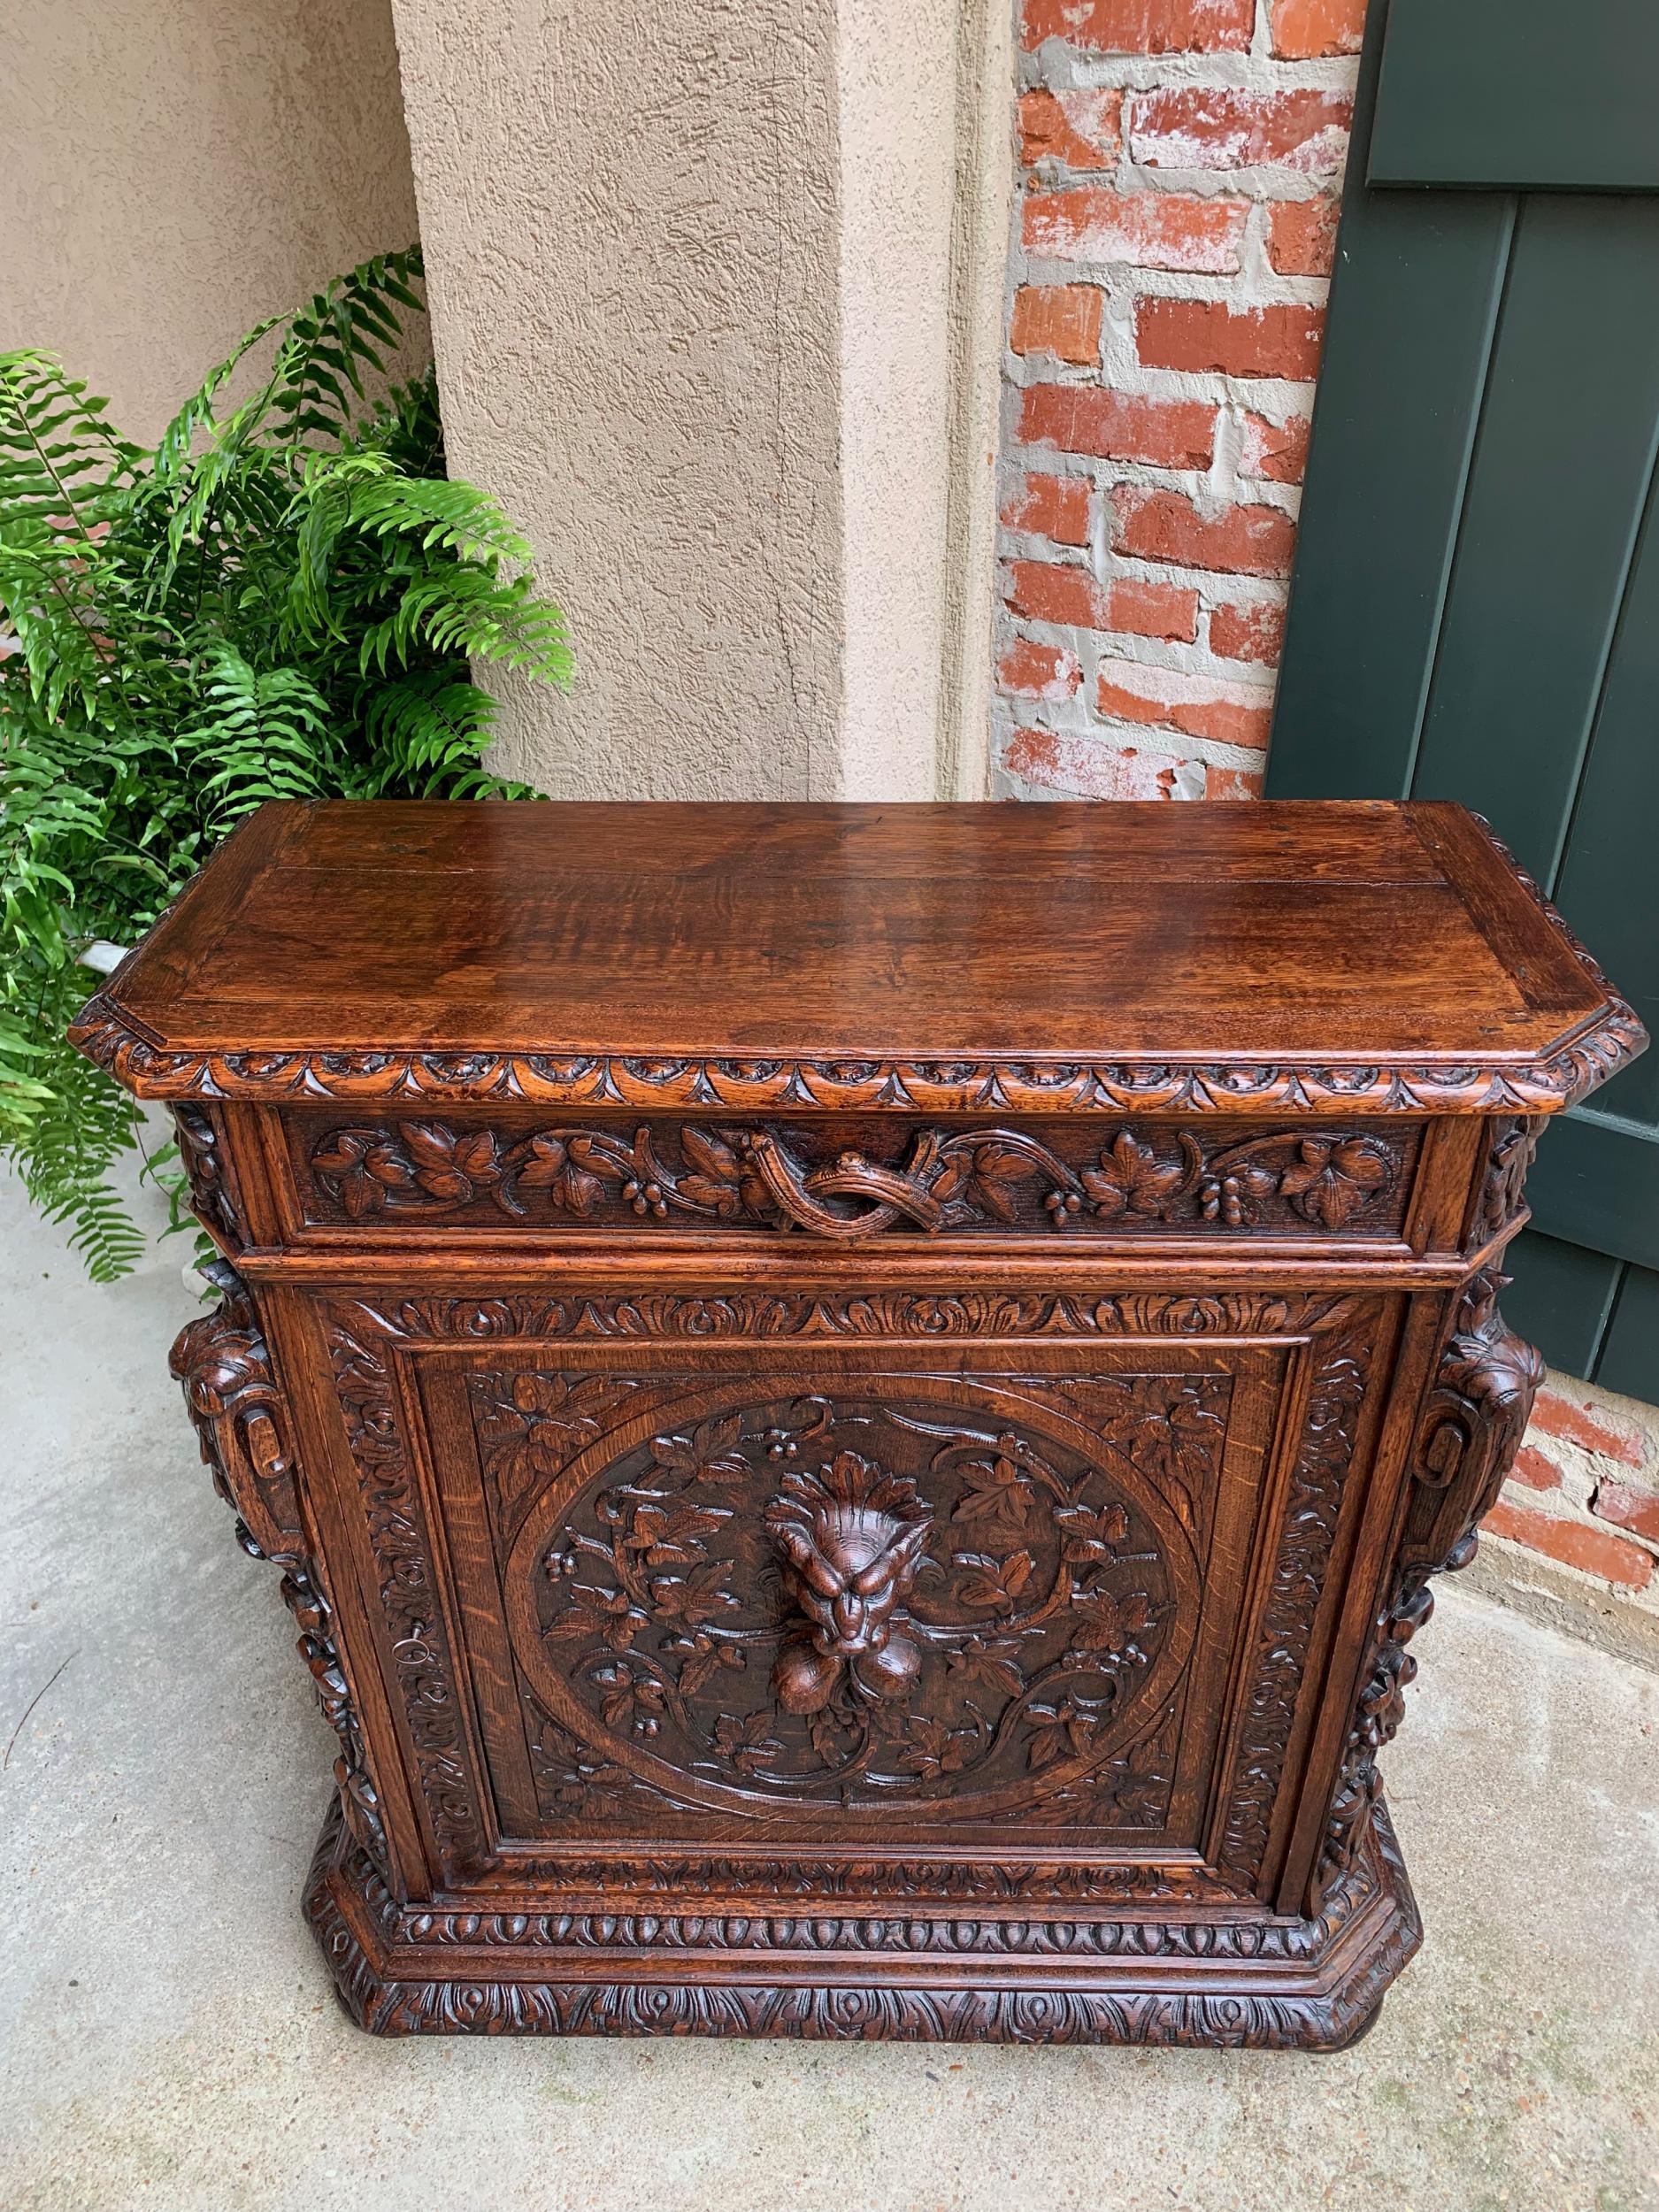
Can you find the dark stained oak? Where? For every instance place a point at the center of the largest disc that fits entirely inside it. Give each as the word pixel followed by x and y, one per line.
pixel 857 1406
pixel 1254 938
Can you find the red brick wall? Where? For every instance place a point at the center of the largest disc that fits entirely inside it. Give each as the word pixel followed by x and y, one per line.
pixel 1178 165
pixel 1580 1515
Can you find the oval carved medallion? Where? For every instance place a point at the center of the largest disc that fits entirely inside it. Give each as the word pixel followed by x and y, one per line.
pixel 927 1589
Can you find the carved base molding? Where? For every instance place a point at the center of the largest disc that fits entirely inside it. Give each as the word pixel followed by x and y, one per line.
pixel 1269 1984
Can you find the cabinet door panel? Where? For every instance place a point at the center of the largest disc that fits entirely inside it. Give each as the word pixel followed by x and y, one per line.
pixel 765 1575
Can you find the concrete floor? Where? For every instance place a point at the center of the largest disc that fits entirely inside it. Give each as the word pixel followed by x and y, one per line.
pixel 169 2038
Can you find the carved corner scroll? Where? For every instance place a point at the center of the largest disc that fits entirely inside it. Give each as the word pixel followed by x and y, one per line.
pixel 242 1422
pixel 1469 1432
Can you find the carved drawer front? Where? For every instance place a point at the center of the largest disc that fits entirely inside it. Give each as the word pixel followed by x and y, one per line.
pixel 897 1574
pixel 846 1177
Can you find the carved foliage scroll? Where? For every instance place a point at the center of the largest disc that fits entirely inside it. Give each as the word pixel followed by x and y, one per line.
pixel 1513 1141
pixel 1317 1485
pixel 837 1313
pixel 424 1672
pixel 933 1180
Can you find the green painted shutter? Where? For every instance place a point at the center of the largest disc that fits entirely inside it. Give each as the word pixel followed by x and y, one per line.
pixel 1475 609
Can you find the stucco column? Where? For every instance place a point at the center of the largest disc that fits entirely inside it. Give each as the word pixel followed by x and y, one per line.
pixel 697 289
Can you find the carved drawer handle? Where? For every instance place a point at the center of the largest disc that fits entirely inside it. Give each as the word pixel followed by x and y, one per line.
pixel 890 1193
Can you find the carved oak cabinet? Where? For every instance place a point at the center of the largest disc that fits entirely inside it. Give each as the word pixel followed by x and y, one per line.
pixel 856 1405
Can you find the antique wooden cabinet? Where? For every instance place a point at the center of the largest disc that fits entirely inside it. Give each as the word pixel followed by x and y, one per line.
pixel 856 1404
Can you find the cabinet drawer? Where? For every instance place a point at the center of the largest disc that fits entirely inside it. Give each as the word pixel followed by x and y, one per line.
pixel 871 1574
pixel 842 1178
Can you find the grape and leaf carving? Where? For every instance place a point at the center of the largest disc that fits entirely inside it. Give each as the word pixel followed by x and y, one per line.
pixel 873 1599
pixel 962 1179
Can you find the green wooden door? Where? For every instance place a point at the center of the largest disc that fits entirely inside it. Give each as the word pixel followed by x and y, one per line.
pixel 1475 609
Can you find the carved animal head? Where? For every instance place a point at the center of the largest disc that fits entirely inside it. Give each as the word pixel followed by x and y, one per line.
pixel 852 1537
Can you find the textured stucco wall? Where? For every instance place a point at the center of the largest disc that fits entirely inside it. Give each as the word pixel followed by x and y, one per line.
pixel 171 171
pixel 632 249
pixel 697 318
pixel 897 145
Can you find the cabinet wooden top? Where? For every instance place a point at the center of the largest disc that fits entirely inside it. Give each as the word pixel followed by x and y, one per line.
pixel 1325 957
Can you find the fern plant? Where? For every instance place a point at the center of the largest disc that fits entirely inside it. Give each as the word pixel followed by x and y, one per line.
pixel 282 601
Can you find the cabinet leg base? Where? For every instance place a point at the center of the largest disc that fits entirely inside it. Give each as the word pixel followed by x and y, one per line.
pixel 1258 1982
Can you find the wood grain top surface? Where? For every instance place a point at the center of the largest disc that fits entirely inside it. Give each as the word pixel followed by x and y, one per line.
pixel 1306 934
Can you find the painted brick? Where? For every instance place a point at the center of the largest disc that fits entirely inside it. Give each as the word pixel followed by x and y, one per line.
pixel 1147 230
pixel 1531 1469
pixel 1118 426
pixel 1168 698
pixel 1622 1503
pixel 1305 29
pixel 1032 670
pixel 1244 630
pixel 1086 768
pixel 1078 129
pixel 1166 526
pixel 1584 1425
pixel 1199 335
pixel 1302 236
pixel 1233 783
pixel 1597 1551
pixel 1063 319
pixel 1071 598
pixel 1143 26
pixel 1276 451
pixel 1052 507
pixel 1205 126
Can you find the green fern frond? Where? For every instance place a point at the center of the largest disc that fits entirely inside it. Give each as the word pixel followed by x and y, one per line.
pixel 455 517
pixel 195 418
pixel 64 476
pixel 279 602
pixel 429 732
pixel 262 736
pixel 467 613
pixel 71 1142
